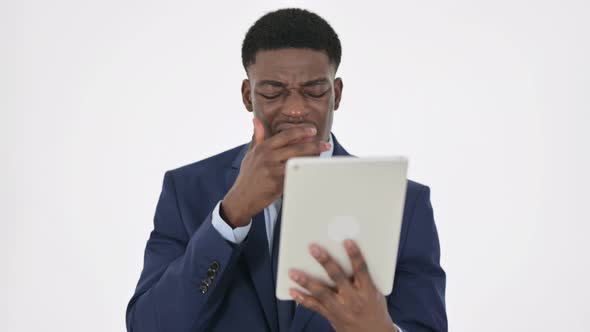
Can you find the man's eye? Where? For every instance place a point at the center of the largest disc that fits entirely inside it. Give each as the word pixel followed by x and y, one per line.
pixel 314 93
pixel 267 96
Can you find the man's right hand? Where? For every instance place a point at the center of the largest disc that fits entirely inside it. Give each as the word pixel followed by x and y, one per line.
pixel 262 172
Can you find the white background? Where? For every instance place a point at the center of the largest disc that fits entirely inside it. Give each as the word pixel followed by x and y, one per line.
pixel 489 99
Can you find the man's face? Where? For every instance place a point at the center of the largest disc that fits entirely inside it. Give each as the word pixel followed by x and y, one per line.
pixel 292 87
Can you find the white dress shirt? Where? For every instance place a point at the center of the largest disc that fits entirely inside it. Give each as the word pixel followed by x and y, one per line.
pixel 238 234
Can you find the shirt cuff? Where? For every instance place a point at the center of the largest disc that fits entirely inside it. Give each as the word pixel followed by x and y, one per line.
pixel 236 235
pixel 398 328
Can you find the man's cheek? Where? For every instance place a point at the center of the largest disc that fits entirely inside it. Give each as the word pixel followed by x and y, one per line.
pixel 266 120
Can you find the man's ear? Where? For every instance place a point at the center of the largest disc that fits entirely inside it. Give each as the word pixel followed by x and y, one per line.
pixel 247 94
pixel 337 92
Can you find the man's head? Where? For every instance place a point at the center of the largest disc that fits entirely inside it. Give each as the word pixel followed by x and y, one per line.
pixel 291 57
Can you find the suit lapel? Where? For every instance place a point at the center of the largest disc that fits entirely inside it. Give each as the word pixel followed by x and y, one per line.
pixel 256 253
pixel 259 264
pixel 339 149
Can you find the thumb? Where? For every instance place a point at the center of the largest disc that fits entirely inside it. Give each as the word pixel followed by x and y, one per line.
pixel 259 133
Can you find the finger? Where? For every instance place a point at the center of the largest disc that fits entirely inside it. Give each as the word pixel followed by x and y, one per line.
pixel 359 265
pixel 259 133
pixel 304 140
pixel 277 171
pixel 333 269
pixel 309 302
pixel 320 291
pixel 299 150
pixel 292 134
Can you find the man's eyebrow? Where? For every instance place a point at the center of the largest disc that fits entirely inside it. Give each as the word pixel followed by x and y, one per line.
pixel 271 83
pixel 279 84
pixel 317 81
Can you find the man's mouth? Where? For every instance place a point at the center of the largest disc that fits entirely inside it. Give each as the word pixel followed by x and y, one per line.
pixel 285 126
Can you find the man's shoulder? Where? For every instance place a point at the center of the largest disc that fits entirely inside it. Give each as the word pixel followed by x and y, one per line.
pixel 415 189
pixel 212 164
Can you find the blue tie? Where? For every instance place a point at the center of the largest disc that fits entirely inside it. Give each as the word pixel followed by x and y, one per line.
pixel 285 309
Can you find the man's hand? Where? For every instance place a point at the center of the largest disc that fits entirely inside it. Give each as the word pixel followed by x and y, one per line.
pixel 353 304
pixel 262 172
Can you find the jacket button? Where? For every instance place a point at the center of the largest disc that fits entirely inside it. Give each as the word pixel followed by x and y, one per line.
pixel 214 266
pixel 206 282
pixel 203 289
pixel 211 274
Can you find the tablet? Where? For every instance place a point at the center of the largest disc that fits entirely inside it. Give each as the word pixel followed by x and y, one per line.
pixel 328 200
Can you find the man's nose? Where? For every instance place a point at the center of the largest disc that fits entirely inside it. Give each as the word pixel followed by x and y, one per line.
pixel 294 105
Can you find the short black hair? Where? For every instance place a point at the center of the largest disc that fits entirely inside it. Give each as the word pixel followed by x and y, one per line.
pixel 291 28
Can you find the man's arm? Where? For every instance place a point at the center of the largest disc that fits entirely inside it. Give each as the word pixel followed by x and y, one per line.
pixel 417 302
pixel 179 290
pixel 184 276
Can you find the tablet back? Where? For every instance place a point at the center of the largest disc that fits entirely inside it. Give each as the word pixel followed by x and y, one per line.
pixel 328 200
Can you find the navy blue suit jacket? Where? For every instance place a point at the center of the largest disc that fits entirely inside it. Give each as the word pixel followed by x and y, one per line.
pixel 184 246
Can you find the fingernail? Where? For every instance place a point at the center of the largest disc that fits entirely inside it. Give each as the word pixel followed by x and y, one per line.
pixel 315 251
pixel 312 130
pixel 349 244
pixel 295 295
pixel 326 145
pixel 294 275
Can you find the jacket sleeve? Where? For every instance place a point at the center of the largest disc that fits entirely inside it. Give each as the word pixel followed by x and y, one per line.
pixel 417 302
pixel 184 275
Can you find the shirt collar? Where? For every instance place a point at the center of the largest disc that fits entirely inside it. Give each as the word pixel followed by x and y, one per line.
pixel 329 153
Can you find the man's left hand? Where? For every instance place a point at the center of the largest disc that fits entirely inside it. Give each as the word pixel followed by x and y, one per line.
pixel 352 304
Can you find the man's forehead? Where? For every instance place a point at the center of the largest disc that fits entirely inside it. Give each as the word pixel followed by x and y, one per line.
pixel 291 65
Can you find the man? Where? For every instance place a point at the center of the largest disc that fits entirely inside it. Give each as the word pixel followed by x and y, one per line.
pixel 209 260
